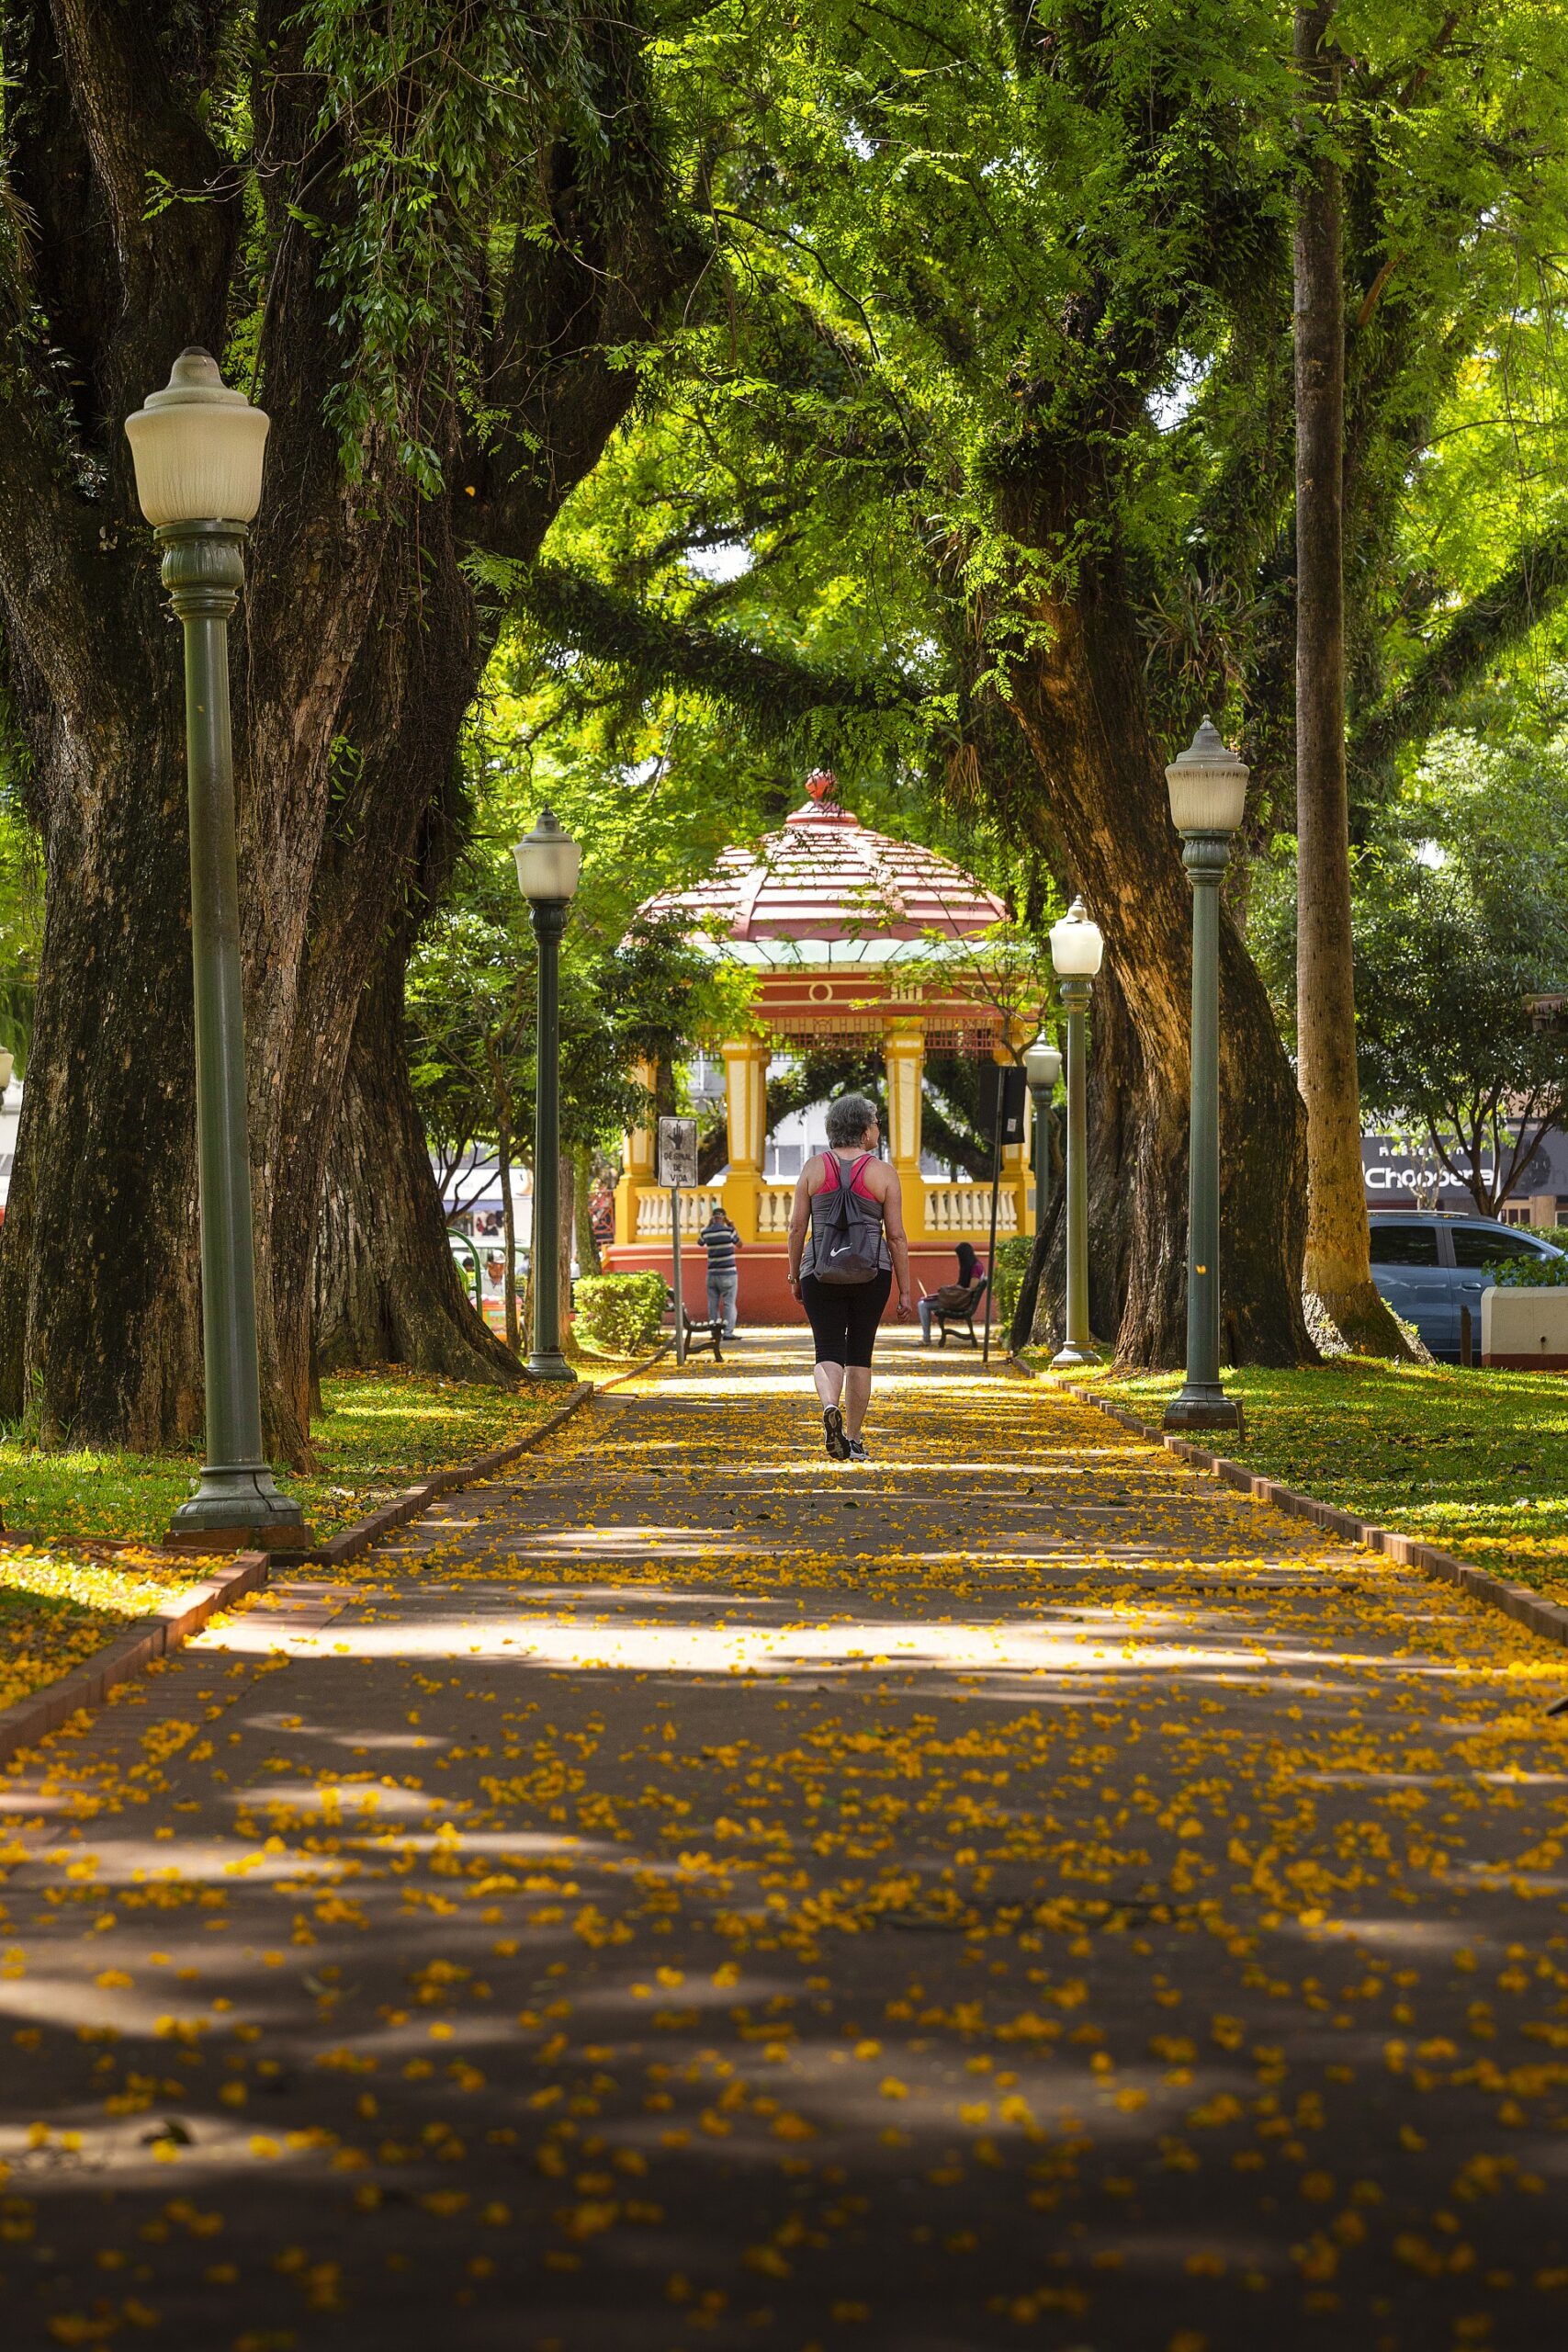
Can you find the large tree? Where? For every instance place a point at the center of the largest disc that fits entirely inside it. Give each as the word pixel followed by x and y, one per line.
pixel 1066 404
pixel 1337 1266
pixel 430 239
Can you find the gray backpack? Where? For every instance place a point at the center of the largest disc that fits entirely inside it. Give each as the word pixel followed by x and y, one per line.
pixel 848 1233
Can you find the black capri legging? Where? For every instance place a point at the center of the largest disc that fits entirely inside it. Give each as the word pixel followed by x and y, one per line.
pixel 844 1315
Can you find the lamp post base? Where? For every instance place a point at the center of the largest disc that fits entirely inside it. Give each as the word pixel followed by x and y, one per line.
pixel 1203 1405
pixel 1072 1357
pixel 548 1364
pixel 294 1542
pixel 239 1499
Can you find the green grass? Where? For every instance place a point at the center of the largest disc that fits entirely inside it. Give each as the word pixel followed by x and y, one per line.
pixel 56 1608
pixel 380 1432
pixel 1476 1462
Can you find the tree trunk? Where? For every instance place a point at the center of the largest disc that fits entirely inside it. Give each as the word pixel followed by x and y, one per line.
pixel 1077 692
pixel 567 1196
pixel 1338 1267
pixel 100 1309
pixel 1048 1205
pixel 388 1288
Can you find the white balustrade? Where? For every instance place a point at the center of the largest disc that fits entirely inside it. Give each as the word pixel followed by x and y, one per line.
pixel 653 1213
pixel 966 1208
pixel 773 1211
pixel 949 1208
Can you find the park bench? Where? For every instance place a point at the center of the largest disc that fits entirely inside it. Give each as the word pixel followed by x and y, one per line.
pixel 961 1317
pixel 697 1331
pixel 703 1334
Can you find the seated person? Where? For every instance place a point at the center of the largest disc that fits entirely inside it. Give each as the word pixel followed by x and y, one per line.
pixel 953 1297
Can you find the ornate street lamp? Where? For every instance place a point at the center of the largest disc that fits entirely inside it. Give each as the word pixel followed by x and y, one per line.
pixel 1077 950
pixel 548 861
pixel 1208 795
pixel 197 448
pixel 1041 1069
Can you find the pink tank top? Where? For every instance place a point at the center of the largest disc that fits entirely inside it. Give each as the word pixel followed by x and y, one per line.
pixel 856 1186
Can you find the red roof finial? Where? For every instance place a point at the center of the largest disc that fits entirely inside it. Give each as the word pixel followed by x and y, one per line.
pixel 823 784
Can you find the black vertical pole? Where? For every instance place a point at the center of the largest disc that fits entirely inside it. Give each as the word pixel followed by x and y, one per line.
pixel 995 1189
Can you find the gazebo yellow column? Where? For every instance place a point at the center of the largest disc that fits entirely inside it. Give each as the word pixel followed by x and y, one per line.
pixel 637 1171
pixel 1015 1156
pixel 746 1063
pixel 904 1056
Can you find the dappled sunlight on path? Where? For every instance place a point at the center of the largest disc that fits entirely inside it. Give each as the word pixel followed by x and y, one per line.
pixel 691 1892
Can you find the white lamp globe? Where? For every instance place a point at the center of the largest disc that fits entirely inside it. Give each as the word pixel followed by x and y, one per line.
pixel 1207 785
pixel 1042 1065
pixel 548 860
pixel 197 447
pixel 1077 946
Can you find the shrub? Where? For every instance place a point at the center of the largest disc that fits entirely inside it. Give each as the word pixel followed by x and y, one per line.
pixel 1530 1274
pixel 1013 1264
pixel 619 1313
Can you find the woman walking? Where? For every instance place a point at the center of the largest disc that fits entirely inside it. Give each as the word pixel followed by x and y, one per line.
pixel 846 1245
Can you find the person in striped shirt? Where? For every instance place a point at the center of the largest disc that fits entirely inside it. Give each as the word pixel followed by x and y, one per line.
pixel 721 1241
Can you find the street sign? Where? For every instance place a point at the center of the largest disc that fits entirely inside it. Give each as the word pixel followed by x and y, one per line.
pixel 677 1153
pixel 1006 1081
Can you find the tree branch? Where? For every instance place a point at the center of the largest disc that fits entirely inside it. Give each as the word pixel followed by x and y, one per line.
pixel 776 690
pixel 577 303
pixel 1505 611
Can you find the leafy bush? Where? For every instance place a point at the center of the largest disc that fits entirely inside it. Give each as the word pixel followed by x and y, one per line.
pixel 1530 1274
pixel 619 1313
pixel 1013 1264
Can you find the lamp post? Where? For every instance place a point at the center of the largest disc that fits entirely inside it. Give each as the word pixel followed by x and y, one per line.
pixel 197 448
pixel 1208 795
pixel 548 861
pixel 1041 1069
pixel 1077 950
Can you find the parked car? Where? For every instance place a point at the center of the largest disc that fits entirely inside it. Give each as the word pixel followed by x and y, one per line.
pixel 1428 1265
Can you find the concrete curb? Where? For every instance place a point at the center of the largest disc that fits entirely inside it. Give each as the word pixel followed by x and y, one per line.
pixel 1547 1617
pixel 130 1653
pixel 620 1378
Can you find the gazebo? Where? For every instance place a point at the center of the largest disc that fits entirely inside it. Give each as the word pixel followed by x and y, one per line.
pixel 853 936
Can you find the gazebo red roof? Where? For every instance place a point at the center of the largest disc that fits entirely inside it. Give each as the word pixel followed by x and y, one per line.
pixel 828 876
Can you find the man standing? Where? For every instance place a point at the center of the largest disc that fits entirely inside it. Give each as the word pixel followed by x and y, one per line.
pixel 721 1241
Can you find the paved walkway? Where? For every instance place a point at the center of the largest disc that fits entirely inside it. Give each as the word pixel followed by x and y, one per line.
pixel 691 1894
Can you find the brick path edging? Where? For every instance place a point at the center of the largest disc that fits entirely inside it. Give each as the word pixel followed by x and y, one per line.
pixel 1545 1618
pixel 146 1639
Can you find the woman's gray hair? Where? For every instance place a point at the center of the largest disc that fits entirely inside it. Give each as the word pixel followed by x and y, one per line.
pixel 848 1120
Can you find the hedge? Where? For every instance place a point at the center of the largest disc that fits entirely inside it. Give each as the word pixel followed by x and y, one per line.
pixel 620 1314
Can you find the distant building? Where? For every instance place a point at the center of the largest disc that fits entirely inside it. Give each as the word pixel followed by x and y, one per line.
pixel 1398 1177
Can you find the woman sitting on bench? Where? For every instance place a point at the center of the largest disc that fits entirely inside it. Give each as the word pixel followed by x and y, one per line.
pixel 952 1298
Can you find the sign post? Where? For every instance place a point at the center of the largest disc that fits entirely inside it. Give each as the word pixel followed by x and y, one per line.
pixel 677 1172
